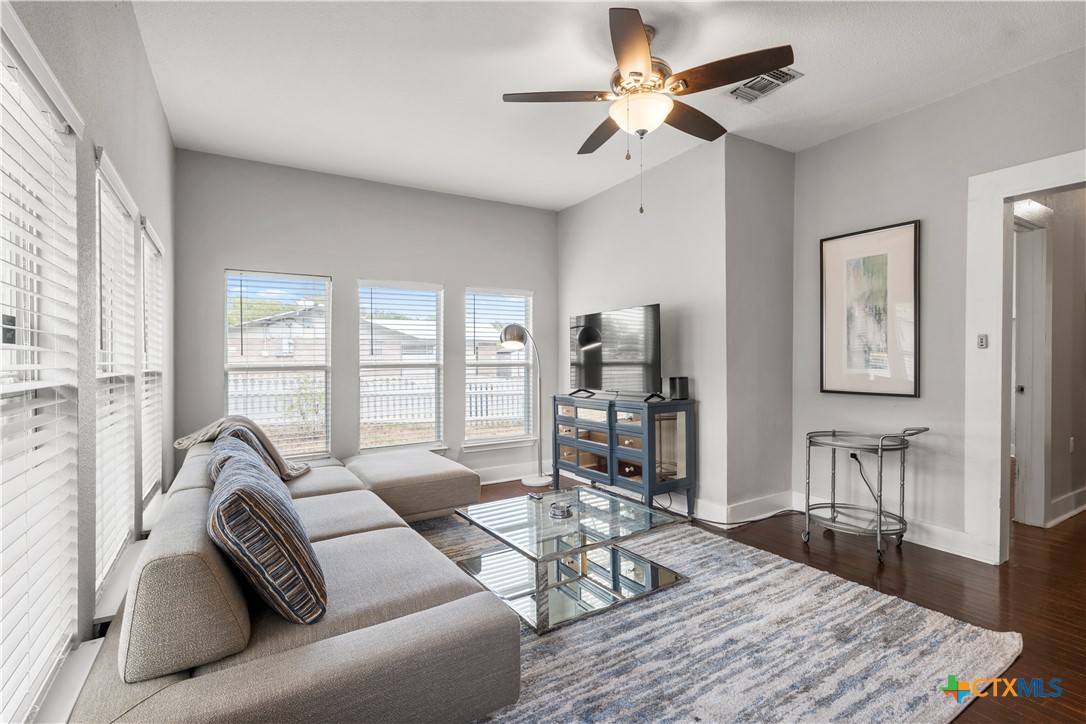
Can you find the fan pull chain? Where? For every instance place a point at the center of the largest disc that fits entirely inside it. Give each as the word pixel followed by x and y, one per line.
pixel 627 126
pixel 641 172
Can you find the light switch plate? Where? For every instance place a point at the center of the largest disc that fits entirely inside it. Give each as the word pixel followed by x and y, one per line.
pixel 982 341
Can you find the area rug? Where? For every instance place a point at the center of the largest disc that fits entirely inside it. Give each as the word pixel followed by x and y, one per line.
pixel 751 637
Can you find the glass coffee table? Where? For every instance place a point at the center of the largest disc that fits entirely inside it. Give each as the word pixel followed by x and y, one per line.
pixel 556 570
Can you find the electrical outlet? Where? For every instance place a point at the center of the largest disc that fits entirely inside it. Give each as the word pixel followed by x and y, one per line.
pixel 982 341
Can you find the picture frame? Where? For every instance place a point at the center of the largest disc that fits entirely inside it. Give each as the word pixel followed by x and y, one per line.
pixel 870 311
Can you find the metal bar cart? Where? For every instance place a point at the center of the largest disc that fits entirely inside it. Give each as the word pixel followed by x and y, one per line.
pixel 859 519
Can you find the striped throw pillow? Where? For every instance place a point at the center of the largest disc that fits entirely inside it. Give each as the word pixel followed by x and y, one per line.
pixel 226 447
pixel 252 520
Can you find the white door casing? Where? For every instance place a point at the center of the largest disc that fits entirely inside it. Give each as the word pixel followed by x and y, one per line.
pixel 989 262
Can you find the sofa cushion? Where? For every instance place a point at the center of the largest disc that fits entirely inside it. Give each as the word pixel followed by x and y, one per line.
pixel 416 481
pixel 184 606
pixel 372 578
pixel 355 511
pixel 192 475
pixel 200 448
pixel 253 521
pixel 324 480
pixel 105 695
pixel 325 463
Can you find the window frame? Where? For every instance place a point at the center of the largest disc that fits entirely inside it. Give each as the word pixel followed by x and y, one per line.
pixel 528 364
pixel 152 367
pixel 438 366
pixel 123 373
pixel 326 367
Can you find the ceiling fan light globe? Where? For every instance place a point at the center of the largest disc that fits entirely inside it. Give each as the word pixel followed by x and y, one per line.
pixel 640 113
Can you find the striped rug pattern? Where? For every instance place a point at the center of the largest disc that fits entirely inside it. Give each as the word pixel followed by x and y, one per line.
pixel 751 637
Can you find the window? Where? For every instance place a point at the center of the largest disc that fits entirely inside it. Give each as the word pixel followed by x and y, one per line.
pixel 38 309
pixel 277 357
pixel 399 360
pixel 115 370
pixel 153 333
pixel 499 383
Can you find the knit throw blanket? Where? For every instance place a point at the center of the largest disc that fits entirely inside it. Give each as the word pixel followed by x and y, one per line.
pixel 287 470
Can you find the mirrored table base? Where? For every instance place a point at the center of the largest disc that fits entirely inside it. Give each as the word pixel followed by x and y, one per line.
pixel 549 594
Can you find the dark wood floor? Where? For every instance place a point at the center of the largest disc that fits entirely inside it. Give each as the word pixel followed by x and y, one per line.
pixel 1040 592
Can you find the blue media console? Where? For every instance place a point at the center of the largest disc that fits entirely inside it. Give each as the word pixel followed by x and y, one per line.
pixel 647 448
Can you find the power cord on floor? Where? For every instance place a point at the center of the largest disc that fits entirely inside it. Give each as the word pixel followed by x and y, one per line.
pixel 733 525
pixel 727 527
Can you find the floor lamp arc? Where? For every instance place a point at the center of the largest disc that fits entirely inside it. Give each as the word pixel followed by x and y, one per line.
pixel 514 337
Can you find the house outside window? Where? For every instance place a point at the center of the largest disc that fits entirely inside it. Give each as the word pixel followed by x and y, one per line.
pixel 400 364
pixel 277 357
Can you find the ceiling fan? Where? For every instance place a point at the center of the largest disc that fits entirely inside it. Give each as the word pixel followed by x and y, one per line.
pixel 642 86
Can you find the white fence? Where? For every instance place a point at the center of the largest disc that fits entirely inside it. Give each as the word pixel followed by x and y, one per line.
pixel 396 399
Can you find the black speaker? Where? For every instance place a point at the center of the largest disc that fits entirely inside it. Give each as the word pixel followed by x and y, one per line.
pixel 679 388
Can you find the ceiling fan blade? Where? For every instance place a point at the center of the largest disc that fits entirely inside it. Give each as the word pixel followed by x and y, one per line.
pixel 690 120
pixel 630 42
pixel 729 70
pixel 559 97
pixel 599 136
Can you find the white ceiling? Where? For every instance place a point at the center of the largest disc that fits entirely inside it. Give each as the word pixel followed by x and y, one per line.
pixel 410 93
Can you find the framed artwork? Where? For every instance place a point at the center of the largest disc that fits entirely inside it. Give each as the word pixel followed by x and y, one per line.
pixel 871 311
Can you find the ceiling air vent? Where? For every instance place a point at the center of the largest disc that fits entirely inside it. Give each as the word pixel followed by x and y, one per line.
pixel 763 85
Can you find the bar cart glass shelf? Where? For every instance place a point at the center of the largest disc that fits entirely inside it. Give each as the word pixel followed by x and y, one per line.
pixel 859 519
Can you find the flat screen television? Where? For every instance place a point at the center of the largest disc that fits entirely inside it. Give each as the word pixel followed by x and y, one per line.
pixel 627 356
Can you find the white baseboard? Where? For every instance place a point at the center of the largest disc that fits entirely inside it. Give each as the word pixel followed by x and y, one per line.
pixel 1066 506
pixel 934 536
pixel 507 473
pixel 760 507
pixel 708 510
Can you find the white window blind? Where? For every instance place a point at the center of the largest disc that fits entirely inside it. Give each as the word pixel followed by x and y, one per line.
pixel 116 372
pixel 400 363
pixel 277 357
pixel 498 388
pixel 151 402
pixel 37 388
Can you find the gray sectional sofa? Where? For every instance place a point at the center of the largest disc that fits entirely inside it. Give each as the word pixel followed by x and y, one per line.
pixel 407 636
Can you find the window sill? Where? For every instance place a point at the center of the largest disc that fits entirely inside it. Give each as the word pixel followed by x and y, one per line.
pixel 509 442
pixel 435 447
pixel 116 584
pixel 59 700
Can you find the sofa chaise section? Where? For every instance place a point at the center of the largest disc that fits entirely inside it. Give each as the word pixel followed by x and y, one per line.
pixel 417 484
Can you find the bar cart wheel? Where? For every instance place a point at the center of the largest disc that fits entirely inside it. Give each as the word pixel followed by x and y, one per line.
pixel 805 535
pixel 880 555
pixel 900 540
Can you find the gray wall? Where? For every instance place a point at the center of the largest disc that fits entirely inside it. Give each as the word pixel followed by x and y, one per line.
pixel 714 249
pixel 97 54
pixel 245 215
pixel 759 183
pixel 610 257
pixel 916 166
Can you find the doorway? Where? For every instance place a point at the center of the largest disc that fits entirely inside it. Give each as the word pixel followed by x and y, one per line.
pixel 1048 358
pixel 1030 371
pixel 987 344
